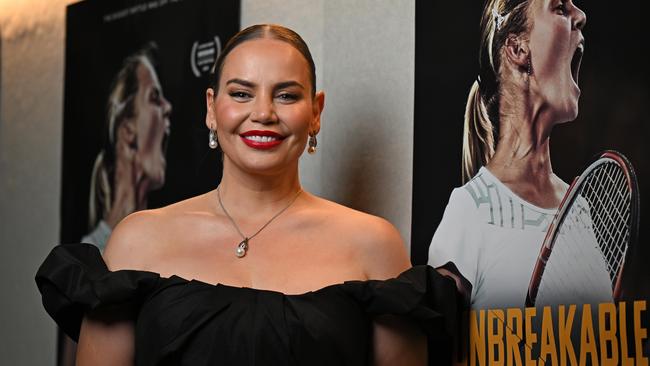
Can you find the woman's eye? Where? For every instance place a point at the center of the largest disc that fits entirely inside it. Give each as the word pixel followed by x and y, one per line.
pixel 561 8
pixel 155 96
pixel 239 95
pixel 287 97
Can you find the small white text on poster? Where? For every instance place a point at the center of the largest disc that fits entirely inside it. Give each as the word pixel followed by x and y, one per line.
pixel 137 9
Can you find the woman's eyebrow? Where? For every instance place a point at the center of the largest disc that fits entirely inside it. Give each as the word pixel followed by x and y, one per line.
pixel 288 84
pixel 280 85
pixel 242 82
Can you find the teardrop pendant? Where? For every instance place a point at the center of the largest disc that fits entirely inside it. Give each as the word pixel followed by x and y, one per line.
pixel 242 248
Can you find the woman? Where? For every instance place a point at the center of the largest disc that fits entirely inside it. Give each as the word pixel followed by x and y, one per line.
pixel 255 271
pixel 494 225
pixel 132 161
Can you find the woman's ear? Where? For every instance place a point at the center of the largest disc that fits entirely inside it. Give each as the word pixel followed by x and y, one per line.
pixel 318 104
pixel 517 52
pixel 127 138
pixel 210 118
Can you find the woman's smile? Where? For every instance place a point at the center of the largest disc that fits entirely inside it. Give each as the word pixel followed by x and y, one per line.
pixel 262 140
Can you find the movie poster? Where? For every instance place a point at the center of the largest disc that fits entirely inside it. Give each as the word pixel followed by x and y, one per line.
pixel 596 312
pixel 134 114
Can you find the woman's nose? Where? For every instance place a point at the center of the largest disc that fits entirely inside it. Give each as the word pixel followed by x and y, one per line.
pixel 167 107
pixel 579 18
pixel 263 111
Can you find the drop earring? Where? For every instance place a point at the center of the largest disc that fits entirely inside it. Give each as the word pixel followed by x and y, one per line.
pixel 530 67
pixel 312 144
pixel 212 139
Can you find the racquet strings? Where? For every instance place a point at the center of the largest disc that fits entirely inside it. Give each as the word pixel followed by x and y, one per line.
pixel 591 242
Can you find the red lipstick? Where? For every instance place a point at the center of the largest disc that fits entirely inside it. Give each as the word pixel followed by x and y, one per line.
pixel 262 140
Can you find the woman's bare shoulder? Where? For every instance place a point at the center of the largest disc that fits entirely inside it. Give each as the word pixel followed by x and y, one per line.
pixel 144 237
pixel 378 243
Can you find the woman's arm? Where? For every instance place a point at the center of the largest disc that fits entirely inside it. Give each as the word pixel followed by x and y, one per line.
pixel 104 339
pixel 107 335
pixel 395 341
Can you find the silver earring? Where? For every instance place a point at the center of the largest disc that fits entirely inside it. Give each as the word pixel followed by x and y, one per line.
pixel 530 67
pixel 212 139
pixel 312 144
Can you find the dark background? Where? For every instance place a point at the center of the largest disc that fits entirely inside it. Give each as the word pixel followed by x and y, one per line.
pixel 614 79
pixel 95 50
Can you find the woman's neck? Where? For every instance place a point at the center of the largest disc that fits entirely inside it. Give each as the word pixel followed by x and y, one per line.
pixel 522 159
pixel 249 195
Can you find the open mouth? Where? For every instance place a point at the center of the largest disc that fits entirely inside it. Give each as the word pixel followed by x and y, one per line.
pixel 165 143
pixel 576 60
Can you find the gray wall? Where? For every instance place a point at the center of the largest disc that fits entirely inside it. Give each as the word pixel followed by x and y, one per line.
pixel 364 53
pixel 30 161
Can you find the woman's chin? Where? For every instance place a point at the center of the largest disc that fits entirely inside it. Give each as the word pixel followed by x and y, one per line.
pixel 154 173
pixel 158 184
pixel 569 112
pixel 159 181
pixel 572 113
pixel 155 180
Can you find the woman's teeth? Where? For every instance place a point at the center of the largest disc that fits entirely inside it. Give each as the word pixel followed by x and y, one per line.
pixel 261 138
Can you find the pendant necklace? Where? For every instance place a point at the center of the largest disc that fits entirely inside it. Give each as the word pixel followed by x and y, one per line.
pixel 242 247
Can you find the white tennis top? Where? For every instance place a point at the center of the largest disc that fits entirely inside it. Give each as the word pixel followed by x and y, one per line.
pixel 494 237
pixel 98 236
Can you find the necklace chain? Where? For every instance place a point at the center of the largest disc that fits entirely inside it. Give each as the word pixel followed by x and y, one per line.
pixel 242 247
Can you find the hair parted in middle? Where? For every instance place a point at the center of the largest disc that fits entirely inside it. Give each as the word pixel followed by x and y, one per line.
pixel 261 31
pixel 500 19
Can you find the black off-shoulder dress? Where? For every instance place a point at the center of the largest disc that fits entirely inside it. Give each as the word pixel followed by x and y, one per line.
pixel 181 322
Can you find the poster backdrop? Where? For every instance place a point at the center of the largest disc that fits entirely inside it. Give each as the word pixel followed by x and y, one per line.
pixel 614 83
pixel 134 114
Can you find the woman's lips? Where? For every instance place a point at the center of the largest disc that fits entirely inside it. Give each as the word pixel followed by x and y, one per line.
pixel 262 140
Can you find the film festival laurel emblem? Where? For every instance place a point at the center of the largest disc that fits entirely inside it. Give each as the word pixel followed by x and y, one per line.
pixel 204 55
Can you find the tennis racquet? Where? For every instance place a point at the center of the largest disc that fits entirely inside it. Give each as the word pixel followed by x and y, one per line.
pixel 583 253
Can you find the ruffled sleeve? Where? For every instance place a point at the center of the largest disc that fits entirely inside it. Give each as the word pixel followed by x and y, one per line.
pixel 74 279
pixel 427 298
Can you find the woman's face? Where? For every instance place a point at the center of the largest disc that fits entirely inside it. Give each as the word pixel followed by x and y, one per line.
pixel 556 45
pixel 152 112
pixel 264 109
